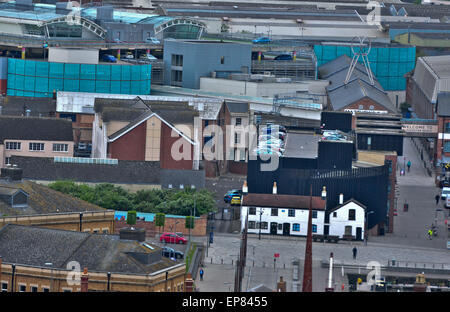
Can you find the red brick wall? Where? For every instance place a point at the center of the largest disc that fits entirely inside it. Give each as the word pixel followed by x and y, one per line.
pixel 366 102
pixel 439 150
pixel 166 159
pixel 237 167
pixel 151 230
pixel 130 146
pixel 418 100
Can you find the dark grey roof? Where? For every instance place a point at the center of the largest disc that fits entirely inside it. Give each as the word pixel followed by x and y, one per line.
pixel 120 114
pixel 36 246
pixel 443 104
pixel 7 190
pixel 356 90
pixel 35 128
pixel 237 107
pixel 17 106
pixel 337 79
pixel 301 145
pixel 101 103
pixel 337 65
pixel 174 112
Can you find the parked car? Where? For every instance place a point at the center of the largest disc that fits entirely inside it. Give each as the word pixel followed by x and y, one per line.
pixel 273 151
pixel 172 238
pixel 129 55
pixel 153 40
pixel 272 128
pixel 172 253
pixel 283 57
pixel 272 142
pixel 235 200
pixel 273 136
pixel 262 40
pixel 447 202
pixel 230 194
pixel 109 58
pixel 148 57
pixel 445 192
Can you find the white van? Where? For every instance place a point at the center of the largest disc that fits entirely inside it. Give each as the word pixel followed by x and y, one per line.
pixel 447 202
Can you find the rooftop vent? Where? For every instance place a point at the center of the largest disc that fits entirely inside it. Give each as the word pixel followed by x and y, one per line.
pixel 12 173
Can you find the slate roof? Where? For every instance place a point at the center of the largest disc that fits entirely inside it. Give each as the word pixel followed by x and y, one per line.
pixel 345 203
pixel 17 105
pixel 35 128
pixel 237 107
pixel 356 90
pixel 443 104
pixel 43 200
pixel 36 246
pixel 337 65
pixel 283 201
pixel 337 78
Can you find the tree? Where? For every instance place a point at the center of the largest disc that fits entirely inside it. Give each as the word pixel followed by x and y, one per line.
pixel 190 223
pixel 131 218
pixel 160 220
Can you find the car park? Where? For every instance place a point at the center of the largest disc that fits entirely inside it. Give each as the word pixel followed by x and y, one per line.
pixel 172 253
pixel 172 238
pixel 262 40
pixel 230 194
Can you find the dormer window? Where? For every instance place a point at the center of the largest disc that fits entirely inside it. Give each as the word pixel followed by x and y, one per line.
pixel 14 197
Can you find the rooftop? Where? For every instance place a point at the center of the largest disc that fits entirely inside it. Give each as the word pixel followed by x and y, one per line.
pixel 18 105
pixel 301 145
pixel 440 65
pixel 283 201
pixel 35 128
pixel 43 200
pixel 443 104
pixel 36 246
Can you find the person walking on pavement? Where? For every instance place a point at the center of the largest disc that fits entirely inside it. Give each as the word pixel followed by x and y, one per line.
pixel 430 234
pixel 437 197
pixel 354 252
pixel 201 274
pixel 408 164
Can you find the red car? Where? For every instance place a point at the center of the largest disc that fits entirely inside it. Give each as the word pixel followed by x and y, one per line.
pixel 172 238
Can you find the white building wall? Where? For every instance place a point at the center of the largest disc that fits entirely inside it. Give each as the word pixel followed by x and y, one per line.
pixel 99 139
pixel 301 217
pixel 76 56
pixel 338 223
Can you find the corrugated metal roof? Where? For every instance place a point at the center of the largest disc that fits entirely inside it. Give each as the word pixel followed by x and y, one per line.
pixel 443 104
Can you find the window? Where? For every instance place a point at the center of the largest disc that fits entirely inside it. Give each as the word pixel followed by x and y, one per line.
pixel 361 106
pixel 67 290
pixel 60 147
pixel 447 147
pixel 105 231
pixel 296 227
pixel 280 227
pixel 7 160
pixel 251 224
pixel 222 60
pixel 36 146
pixel 177 76
pixel 334 214
pixel 351 214
pixel 34 289
pixel 95 231
pixel 22 288
pixel 252 211
pixel 263 225
pixel 291 213
pixel 314 228
pixel 12 145
pixel 314 214
pixel 274 212
pixel 238 121
pixel 177 60
pixel 237 138
pixel 4 287
pixel 447 127
pixel 348 231
pixel 45 289
pixel 371 107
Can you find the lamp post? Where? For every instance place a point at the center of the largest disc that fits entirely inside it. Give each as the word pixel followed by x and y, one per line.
pixel 366 234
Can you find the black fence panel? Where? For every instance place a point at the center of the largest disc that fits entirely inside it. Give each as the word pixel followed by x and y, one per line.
pixel 381 142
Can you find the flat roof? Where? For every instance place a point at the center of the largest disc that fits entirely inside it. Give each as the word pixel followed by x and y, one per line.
pixel 301 145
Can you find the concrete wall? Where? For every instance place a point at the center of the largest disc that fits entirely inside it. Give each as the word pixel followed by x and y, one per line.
pixel 74 56
pixel 202 58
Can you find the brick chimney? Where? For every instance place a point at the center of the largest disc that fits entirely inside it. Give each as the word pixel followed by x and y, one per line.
pixel 274 188
pixel 281 285
pixel 84 280
pixel 188 283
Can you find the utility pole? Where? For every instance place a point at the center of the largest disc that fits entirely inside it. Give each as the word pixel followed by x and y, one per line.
pixel 307 270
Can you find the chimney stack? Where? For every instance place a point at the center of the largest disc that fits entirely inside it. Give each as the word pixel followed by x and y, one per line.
pixel 85 280
pixel 274 189
pixel 245 187
pixel 341 199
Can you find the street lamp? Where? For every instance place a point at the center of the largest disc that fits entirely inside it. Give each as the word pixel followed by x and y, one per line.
pixel 366 236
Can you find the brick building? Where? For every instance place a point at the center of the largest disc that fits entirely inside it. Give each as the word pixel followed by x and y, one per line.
pixel 47 260
pixel 34 136
pixel 443 141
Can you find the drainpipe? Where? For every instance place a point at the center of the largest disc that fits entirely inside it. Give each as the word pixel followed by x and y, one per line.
pixel 81 221
pixel 12 277
pixel 109 282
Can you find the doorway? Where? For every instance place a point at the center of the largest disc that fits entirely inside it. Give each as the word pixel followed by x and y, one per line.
pixel 273 228
pixel 286 228
pixel 358 233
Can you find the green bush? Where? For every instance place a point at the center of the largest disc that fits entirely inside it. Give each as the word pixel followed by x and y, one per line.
pixel 131 217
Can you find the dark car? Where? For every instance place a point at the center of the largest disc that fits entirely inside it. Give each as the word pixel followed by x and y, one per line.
pixel 255 55
pixel 283 57
pixel 229 195
pixel 108 58
pixel 172 253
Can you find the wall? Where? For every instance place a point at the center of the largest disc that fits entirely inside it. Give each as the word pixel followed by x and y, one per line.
pixel 169 161
pixel 367 103
pixel 201 58
pixel 153 139
pixel 338 223
pixel 73 56
pixel 130 146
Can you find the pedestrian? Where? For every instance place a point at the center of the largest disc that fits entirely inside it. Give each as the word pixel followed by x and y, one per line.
pixel 354 252
pixel 430 234
pixel 409 164
pixel 437 197
pixel 201 274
